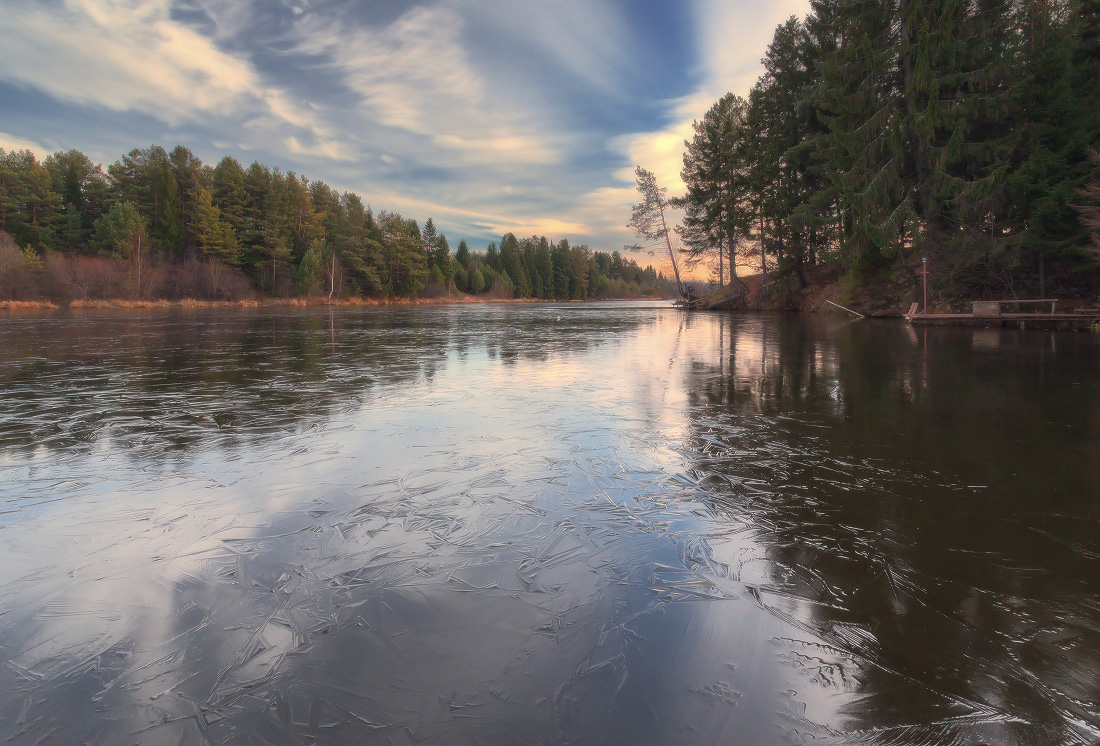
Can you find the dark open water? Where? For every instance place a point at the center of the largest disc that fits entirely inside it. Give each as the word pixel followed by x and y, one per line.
pixel 545 524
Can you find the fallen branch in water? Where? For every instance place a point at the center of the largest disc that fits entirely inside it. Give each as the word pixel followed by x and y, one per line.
pixel 857 313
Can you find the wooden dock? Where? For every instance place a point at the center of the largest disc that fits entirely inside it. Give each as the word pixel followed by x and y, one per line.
pixel 991 314
pixel 1066 321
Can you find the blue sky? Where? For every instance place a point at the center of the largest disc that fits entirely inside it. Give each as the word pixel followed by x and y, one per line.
pixel 524 115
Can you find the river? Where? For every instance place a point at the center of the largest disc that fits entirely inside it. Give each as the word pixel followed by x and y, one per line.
pixel 536 523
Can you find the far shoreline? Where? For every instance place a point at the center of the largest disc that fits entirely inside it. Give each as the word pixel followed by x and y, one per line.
pixel 190 303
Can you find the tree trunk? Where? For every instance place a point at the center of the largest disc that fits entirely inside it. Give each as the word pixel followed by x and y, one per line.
pixel 721 273
pixel 732 244
pixel 800 277
pixel 138 257
pixel 915 140
pixel 671 254
pixel 763 254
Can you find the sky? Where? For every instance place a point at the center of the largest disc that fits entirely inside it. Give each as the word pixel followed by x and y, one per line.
pixel 516 115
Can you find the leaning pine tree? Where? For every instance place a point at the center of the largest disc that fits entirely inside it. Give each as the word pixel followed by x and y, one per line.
pixel 647 218
pixel 714 205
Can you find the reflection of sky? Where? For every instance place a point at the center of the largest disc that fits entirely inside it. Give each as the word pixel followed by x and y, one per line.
pixel 536 484
pixel 549 534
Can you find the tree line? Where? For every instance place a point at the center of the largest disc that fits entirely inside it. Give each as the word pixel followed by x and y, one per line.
pixel 883 131
pixel 174 226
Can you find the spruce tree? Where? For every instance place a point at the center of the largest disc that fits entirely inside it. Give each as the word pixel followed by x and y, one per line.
pixel 214 236
pixel 716 204
pixel 84 193
pixel 462 255
pixel 866 138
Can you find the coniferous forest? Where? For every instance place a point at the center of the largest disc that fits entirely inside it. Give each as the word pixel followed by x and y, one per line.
pixel 161 224
pixel 884 131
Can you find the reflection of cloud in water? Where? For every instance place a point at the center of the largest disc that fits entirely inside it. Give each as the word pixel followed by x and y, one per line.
pixel 594 537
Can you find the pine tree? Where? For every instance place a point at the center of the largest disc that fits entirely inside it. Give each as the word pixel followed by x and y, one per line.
pixel 84 197
pixel 865 142
pixel 647 218
pixel 782 175
pixel 429 236
pixel 477 281
pixel 559 256
pixel 462 255
pixel 31 207
pixel 1056 127
pixel 404 261
pixel 214 236
pixel 716 203
pixel 167 224
pixel 232 199
pixel 543 267
pixel 359 249
pixel 122 231
pixel 189 176
pixel 512 265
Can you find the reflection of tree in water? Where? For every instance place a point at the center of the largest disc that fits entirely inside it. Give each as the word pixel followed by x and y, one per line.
pixel 934 504
pixel 174 382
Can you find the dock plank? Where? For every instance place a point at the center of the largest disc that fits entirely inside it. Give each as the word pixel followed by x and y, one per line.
pixel 1075 321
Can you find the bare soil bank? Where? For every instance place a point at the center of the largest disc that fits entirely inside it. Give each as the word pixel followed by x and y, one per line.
pixel 888 293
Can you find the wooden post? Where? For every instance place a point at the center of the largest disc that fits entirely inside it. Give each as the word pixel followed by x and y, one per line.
pixel 924 278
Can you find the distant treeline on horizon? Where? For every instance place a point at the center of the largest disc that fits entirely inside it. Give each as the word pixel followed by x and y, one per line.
pixel 160 223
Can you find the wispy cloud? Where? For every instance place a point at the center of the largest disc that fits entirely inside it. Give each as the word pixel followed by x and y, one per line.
pixel 416 75
pixel 129 55
pixel 11 143
pixel 583 41
pixel 321 148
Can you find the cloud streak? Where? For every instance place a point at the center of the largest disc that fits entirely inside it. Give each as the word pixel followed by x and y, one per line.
pixel 415 76
pixel 11 144
pixel 126 55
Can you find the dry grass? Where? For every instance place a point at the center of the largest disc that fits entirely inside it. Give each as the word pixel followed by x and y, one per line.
pixel 119 303
pixel 246 303
pixel 193 303
pixel 25 305
pixel 359 302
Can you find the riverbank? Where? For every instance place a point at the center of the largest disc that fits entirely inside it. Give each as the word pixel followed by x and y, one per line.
pixel 886 294
pixel 122 303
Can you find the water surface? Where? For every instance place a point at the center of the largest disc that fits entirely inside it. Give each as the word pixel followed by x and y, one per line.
pixel 597 523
